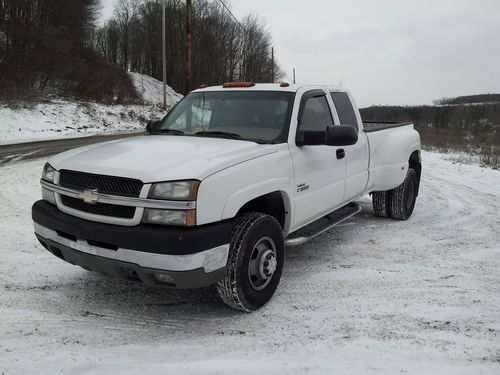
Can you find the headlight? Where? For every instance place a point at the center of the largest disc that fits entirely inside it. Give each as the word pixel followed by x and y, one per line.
pixel 169 217
pixel 175 190
pixel 48 173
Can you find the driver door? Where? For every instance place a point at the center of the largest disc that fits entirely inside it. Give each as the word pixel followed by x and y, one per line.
pixel 319 171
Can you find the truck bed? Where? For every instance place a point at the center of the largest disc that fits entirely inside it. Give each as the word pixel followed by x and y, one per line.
pixel 374 126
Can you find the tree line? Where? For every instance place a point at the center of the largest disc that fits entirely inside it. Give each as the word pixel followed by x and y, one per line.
pixel 469 99
pixel 57 47
pixel 476 118
pixel 45 50
pixel 223 48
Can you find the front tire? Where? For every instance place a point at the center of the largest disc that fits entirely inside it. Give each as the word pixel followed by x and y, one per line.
pixel 255 262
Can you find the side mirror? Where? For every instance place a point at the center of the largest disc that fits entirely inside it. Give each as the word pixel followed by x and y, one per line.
pixel 340 135
pixel 152 125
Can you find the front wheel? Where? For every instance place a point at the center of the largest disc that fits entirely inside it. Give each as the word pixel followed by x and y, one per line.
pixel 255 262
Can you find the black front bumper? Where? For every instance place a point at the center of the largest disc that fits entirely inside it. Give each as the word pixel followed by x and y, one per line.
pixel 152 239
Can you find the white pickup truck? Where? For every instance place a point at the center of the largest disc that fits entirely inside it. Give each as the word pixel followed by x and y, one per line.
pixel 213 192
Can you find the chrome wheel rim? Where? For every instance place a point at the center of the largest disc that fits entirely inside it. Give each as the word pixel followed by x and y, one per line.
pixel 262 264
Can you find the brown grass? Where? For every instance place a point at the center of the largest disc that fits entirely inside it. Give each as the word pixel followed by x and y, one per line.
pixel 467 147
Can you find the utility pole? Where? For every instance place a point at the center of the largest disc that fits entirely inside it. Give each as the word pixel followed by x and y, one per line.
pixel 164 52
pixel 293 75
pixel 272 64
pixel 189 47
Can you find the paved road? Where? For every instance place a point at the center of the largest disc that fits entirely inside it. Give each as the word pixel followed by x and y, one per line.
pixel 44 148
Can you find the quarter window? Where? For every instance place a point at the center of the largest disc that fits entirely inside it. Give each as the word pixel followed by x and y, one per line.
pixel 344 108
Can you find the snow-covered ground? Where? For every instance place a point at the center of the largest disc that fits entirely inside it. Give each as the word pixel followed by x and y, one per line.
pixel 63 118
pixel 373 296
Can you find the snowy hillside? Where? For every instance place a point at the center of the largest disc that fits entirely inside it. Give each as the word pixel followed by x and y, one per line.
pixel 373 296
pixel 62 118
pixel 151 90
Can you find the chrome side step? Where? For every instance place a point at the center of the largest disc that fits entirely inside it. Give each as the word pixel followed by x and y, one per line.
pixel 322 225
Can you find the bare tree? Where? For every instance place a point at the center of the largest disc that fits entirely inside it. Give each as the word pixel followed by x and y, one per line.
pixel 223 50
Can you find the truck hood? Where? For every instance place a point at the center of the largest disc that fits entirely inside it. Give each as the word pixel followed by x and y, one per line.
pixel 160 157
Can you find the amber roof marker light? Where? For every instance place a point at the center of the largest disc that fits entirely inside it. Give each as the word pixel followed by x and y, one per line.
pixel 284 84
pixel 238 84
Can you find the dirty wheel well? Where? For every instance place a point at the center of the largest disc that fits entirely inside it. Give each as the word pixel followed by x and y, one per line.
pixel 270 204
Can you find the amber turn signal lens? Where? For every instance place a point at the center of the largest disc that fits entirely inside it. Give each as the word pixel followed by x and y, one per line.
pixel 190 218
pixel 193 193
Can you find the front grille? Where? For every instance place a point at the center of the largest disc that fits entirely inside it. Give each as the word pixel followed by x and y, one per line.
pixel 102 209
pixel 104 184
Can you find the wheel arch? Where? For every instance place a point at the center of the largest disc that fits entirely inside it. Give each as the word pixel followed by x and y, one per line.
pixel 276 203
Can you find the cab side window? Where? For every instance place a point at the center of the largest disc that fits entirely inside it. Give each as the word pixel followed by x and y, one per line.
pixel 316 115
pixel 345 110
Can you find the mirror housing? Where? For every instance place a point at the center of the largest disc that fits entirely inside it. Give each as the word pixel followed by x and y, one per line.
pixel 341 135
pixel 310 138
pixel 152 125
pixel 335 135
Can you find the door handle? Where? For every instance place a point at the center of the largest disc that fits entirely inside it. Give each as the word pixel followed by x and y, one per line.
pixel 340 153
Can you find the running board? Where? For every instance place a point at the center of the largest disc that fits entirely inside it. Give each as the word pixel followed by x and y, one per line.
pixel 322 225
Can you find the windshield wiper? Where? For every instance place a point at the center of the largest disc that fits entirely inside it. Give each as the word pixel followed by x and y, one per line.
pixel 168 131
pixel 228 135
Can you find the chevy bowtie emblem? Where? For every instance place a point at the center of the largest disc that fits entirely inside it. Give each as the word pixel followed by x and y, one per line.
pixel 89 196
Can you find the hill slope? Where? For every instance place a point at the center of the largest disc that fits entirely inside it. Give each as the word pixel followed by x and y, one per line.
pixel 62 118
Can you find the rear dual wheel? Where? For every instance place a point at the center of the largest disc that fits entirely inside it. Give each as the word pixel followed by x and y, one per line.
pixel 397 203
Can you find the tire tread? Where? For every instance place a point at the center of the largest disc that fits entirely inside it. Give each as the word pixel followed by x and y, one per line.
pixel 397 199
pixel 227 287
pixel 380 202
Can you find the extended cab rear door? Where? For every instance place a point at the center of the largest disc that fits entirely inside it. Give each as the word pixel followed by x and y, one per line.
pixel 356 156
pixel 319 172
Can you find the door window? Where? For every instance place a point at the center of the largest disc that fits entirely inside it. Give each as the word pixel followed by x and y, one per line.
pixel 316 115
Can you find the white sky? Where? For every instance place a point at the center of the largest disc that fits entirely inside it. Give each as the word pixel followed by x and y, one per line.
pixel 385 51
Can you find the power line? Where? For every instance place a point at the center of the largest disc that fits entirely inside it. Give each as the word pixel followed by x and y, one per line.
pixel 232 15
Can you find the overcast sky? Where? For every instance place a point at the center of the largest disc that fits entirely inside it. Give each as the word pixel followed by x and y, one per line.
pixel 386 51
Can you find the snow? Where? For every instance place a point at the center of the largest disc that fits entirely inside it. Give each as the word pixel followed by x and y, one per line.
pixel 374 296
pixel 151 90
pixel 60 118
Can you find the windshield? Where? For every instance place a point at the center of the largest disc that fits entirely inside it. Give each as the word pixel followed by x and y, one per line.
pixel 257 116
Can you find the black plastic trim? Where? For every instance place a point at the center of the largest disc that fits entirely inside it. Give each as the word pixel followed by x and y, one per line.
pixel 144 237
